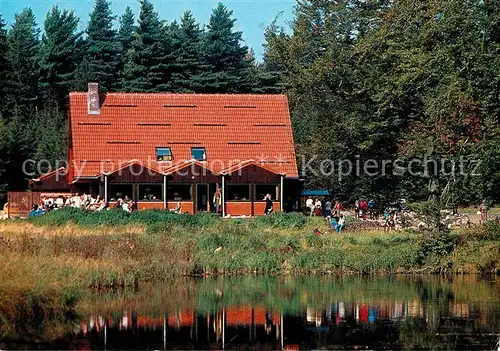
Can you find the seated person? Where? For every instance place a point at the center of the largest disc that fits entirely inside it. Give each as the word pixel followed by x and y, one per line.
pixel 177 209
pixel 333 223
pixel 341 223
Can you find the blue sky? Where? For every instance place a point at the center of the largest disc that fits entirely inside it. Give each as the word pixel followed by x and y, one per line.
pixel 252 15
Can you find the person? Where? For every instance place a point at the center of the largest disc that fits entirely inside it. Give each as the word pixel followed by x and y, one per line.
pixel 133 206
pixel 310 206
pixel 390 224
pixel 483 209
pixel 338 206
pixel 103 205
pixel 333 223
pixel 356 209
pixel 35 211
pixel 371 204
pixel 60 201
pixel 363 208
pixel 371 207
pixel 217 201
pixel 177 209
pixel 317 210
pixel 269 205
pixel 341 223
pixel 327 209
pixel 336 215
pixel 118 204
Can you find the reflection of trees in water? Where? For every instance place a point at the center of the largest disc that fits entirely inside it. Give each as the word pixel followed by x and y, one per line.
pixel 318 311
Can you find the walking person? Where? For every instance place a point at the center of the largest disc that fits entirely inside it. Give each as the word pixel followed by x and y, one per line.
pixel 269 205
pixel 483 209
pixel 327 210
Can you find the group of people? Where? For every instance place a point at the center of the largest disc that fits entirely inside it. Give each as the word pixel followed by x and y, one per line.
pixel 84 202
pixel 323 207
pixel 332 212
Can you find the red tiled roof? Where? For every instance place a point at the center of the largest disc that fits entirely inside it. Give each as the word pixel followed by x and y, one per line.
pixel 61 170
pixel 232 129
pixel 247 163
pixel 182 165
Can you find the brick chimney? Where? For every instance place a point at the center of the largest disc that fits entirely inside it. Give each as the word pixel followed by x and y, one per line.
pixel 93 101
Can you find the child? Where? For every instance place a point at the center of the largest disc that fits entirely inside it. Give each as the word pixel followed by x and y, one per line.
pixel 341 223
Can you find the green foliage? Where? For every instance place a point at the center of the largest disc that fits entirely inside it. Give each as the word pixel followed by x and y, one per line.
pixel 57 55
pixel 282 220
pixel 157 220
pixel 188 55
pixel 222 52
pixel 102 47
pixel 22 54
pixel 394 80
pixel 4 64
pixel 436 245
pixel 146 67
pixel 127 30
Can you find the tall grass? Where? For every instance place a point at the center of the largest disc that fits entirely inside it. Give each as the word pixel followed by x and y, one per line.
pixel 110 250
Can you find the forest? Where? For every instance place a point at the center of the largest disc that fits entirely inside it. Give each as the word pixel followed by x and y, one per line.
pixel 366 80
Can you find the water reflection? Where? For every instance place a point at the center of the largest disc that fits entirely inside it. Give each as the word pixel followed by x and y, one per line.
pixel 298 313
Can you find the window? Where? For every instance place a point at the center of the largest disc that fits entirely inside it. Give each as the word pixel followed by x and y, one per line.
pixel 261 190
pixel 198 154
pixel 179 192
pixel 163 154
pixel 237 192
pixel 150 192
pixel 120 191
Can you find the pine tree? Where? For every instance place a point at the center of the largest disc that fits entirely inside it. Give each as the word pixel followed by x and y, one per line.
pixel 22 53
pixel 125 37
pixel 188 55
pixel 51 127
pixel 127 29
pixel 4 69
pixel 57 55
pixel 229 68
pixel 3 151
pixel 102 47
pixel 145 68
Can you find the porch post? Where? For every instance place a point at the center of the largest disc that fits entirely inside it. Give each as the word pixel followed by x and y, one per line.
pixel 165 205
pixel 223 197
pixel 106 188
pixel 281 195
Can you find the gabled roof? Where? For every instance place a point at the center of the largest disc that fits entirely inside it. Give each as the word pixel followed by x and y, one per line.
pixel 183 165
pixel 129 164
pixel 247 163
pixel 61 170
pixel 231 128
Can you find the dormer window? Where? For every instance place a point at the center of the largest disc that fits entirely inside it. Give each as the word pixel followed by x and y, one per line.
pixel 198 154
pixel 163 154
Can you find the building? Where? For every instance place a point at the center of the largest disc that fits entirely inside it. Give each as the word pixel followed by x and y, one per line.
pixel 166 149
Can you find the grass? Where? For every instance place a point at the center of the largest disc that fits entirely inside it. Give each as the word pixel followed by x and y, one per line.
pixel 61 256
pixel 115 250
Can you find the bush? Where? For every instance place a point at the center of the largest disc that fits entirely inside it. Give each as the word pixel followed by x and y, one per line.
pixel 437 244
pixel 160 219
pixel 282 220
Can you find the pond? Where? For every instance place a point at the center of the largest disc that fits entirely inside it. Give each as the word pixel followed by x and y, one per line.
pixel 290 313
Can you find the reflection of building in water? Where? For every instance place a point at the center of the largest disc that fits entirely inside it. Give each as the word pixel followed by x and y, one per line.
pixel 245 325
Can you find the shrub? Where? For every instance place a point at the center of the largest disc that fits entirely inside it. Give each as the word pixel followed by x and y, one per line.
pixel 282 220
pixel 118 217
pixel 437 244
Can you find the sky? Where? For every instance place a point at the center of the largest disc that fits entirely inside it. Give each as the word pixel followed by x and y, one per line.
pixel 253 16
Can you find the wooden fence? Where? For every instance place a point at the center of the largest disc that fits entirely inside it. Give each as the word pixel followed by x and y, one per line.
pixel 20 203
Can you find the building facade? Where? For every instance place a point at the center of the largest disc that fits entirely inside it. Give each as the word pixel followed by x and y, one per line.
pixel 218 153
